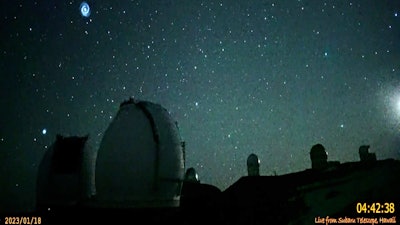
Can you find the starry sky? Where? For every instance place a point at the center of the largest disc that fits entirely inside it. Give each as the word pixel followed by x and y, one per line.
pixel 266 77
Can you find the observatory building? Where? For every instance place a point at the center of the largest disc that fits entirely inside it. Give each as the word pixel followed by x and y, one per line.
pixel 65 175
pixel 139 164
pixel 138 173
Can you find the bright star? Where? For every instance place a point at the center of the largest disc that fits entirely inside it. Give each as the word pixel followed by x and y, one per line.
pixel 44 131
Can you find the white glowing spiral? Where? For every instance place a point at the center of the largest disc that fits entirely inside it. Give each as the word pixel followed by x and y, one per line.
pixel 85 9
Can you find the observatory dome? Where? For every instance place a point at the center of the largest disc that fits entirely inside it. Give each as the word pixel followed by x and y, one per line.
pixel 65 173
pixel 140 162
pixel 253 165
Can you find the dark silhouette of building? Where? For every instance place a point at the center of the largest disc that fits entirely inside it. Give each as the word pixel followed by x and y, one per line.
pixel 63 179
pixel 253 165
pixel 191 176
pixel 319 157
pixel 365 155
pixel 199 199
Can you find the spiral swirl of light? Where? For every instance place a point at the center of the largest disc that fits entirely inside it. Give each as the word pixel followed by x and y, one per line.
pixel 85 9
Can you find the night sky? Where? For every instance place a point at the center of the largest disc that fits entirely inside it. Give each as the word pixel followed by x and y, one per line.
pixel 266 77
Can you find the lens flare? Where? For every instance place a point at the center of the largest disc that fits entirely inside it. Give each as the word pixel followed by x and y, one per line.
pixel 396 102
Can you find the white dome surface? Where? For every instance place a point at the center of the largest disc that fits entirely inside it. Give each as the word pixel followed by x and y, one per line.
pixel 140 162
